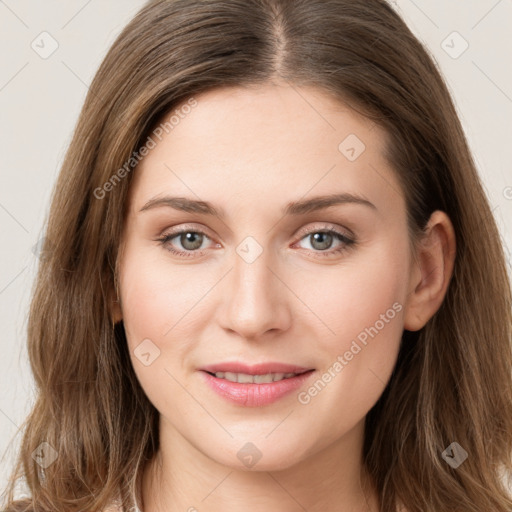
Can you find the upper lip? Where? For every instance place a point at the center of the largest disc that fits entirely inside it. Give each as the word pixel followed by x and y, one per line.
pixel 256 369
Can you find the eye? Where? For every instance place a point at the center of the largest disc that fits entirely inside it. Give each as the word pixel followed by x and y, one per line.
pixel 191 241
pixel 321 240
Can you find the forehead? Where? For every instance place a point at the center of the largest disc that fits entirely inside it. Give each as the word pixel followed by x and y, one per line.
pixel 274 141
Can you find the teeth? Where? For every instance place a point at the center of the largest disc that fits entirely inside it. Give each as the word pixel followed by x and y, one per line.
pixel 245 378
pixel 262 379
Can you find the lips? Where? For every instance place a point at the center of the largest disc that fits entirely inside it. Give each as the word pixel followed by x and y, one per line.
pixel 257 369
pixel 254 385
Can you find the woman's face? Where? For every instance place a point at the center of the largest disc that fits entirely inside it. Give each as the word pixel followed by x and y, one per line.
pixel 265 274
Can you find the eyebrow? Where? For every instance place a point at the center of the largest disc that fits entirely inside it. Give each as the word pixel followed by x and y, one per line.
pixel 300 207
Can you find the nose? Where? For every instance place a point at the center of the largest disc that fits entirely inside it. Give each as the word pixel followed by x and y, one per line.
pixel 255 299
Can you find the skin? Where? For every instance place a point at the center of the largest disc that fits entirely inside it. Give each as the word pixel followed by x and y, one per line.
pixel 251 151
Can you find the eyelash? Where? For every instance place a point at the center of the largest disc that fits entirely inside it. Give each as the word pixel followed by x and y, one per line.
pixel 348 242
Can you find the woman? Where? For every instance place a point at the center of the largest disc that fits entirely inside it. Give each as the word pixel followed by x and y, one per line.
pixel 275 282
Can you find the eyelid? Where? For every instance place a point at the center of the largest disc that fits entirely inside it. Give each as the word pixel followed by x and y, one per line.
pixel 176 230
pixel 325 227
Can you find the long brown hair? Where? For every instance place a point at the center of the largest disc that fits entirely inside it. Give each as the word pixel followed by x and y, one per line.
pixel 452 381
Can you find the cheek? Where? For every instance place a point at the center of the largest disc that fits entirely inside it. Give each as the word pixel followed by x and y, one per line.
pixel 362 306
pixel 161 314
pixel 158 298
pixel 357 316
pixel 359 293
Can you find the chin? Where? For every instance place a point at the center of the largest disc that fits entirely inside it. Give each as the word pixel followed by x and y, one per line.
pixel 260 456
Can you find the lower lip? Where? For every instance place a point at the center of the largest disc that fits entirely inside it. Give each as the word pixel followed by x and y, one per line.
pixel 255 395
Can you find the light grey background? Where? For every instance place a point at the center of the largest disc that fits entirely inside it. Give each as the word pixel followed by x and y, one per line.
pixel 40 99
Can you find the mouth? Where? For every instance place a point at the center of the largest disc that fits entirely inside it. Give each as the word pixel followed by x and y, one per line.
pixel 255 386
pixel 236 371
pixel 247 378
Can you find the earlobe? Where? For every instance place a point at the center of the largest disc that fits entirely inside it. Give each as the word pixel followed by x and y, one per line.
pixel 432 271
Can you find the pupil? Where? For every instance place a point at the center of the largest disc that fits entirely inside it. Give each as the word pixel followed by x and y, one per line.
pixel 191 240
pixel 324 239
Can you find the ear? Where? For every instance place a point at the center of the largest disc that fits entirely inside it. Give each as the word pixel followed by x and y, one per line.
pixel 431 271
